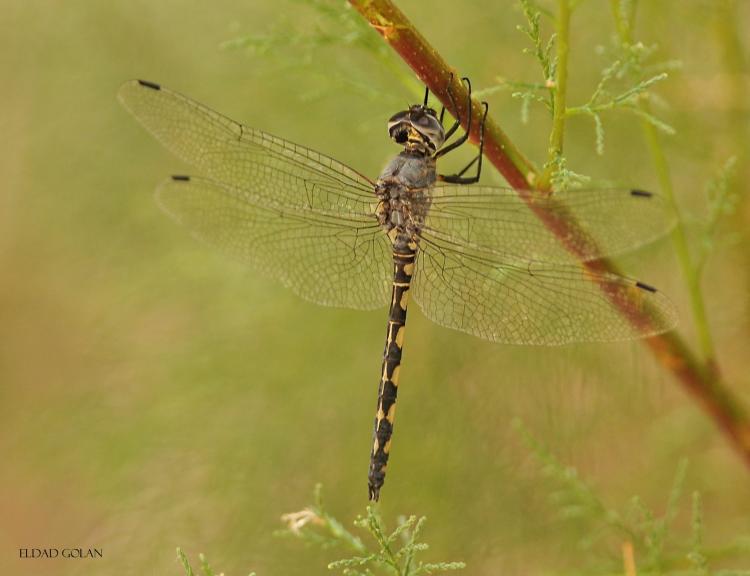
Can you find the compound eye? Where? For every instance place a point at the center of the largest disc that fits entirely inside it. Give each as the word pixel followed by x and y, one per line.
pixel 398 117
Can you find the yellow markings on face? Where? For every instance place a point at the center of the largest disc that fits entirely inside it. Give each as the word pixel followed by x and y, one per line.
pixel 400 337
pixel 404 299
pixel 409 269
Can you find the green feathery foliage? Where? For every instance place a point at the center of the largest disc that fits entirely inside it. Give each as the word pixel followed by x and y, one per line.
pixel 206 569
pixel 335 25
pixel 659 545
pixel 617 89
pixel 634 54
pixel 721 200
pixel 384 553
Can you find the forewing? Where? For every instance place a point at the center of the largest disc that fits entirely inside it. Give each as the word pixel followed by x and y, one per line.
pixel 519 301
pixel 326 258
pixel 270 170
pixel 613 220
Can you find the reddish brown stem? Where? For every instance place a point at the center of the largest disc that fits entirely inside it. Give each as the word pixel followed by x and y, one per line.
pixel 702 382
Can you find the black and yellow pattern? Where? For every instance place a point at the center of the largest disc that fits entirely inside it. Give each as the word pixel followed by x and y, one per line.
pixel 403 270
pixel 486 264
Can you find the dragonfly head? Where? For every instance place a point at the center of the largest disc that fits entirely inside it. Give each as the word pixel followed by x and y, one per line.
pixel 417 128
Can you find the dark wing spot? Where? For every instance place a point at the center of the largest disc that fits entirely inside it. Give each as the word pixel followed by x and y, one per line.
pixel 180 178
pixel 645 287
pixel 642 193
pixel 148 84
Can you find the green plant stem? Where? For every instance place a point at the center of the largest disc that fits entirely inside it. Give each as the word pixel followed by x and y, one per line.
pixel 689 270
pixel 623 23
pixel 559 101
pixel 734 64
pixel 735 70
pixel 670 350
pixel 382 540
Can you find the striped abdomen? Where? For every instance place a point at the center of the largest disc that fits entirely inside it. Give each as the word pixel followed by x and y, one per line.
pixel 403 268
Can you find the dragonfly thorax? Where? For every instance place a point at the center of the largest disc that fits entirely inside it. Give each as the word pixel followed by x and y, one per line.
pixel 403 191
pixel 417 129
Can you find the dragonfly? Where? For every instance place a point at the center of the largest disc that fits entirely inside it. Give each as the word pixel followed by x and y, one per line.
pixel 475 258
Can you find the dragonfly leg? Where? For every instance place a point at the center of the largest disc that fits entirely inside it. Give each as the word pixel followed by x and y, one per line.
pixel 442 108
pixel 459 178
pixel 453 145
pixel 457 123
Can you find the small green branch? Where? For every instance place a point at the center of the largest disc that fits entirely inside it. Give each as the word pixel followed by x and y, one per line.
pixel 394 552
pixel 729 25
pixel 316 525
pixel 722 200
pixel 542 52
pixel 679 237
pixel 659 540
pixel 182 557
pixel 373 524
pixel 559 94
pixel 206 569
pixel 679 240
pixel 625 98
pixel 732 37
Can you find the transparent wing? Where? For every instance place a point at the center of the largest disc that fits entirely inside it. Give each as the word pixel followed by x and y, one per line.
pixel 323 257
pixel 495 218
pixel 522 301
pixel 308 220
pixel 267 169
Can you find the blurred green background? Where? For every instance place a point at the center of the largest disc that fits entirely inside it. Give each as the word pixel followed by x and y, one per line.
pixel 155 395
